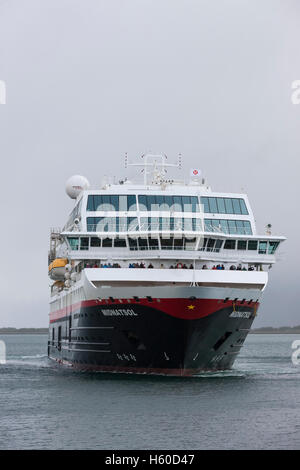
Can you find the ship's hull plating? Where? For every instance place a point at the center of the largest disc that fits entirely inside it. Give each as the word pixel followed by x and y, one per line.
pixel 171 336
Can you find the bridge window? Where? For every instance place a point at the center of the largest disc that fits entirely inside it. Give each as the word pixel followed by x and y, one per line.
pixel 252 245
pixel 218 245
pixel 143 243
pixel 84 243
pixel 202 243
pixel 73 242
pixel 262 248
pixel 166 243
pixel 178 243
pixel 229 245
pixel 210 244
pixel 95 242
pixel 153 243
pixel 107 243
pixel 272 247
pixel 132 243
pixel 120 243
pixel 242 245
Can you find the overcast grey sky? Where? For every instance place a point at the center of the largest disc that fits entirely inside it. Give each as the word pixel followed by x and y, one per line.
pixel 88 80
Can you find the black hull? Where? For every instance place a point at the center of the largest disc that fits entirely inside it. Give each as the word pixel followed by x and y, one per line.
pixel 139 338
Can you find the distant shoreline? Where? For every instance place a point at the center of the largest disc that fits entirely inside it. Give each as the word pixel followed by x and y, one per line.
pixel 282 330
pixel 24 331
pixel 267 330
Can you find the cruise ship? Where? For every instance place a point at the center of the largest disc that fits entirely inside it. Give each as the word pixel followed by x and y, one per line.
pixel 162 276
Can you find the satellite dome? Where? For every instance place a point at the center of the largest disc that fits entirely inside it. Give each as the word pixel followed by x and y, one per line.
pixel 75 185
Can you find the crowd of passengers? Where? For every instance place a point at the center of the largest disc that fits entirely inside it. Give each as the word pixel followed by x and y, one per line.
pixel 162 266
pixel 232 267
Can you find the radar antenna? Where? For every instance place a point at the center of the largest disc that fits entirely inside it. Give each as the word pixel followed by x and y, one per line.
pixel 155 165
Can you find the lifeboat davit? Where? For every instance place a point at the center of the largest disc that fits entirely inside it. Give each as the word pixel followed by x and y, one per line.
pixel 57 269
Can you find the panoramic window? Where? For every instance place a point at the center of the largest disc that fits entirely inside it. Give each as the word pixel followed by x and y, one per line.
pixel 240 227
pixel 224 205
pixel 104 202
pixel 168 203
pixel 112 224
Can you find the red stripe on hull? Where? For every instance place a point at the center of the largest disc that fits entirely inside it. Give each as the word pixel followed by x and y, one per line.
pixel 188 309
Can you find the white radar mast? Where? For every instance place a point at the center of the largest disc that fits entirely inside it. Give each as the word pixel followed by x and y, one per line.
pixel 154 165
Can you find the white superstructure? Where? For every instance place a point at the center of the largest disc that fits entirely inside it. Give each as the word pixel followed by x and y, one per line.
pixel 164 246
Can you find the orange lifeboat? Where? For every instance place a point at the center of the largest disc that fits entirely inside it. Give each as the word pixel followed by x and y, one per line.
pixel 57 269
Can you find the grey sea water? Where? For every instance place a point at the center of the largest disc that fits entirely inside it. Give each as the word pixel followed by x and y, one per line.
pixel 254 406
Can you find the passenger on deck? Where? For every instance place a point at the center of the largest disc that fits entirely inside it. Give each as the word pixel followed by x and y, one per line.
pixel 191 266
pixel 232 267
pixel 204 266
pixel 150 266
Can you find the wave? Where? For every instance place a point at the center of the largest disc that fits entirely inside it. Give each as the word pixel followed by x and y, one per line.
pixel 36 361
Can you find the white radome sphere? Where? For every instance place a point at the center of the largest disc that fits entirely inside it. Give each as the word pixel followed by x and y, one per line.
pixel 75 185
